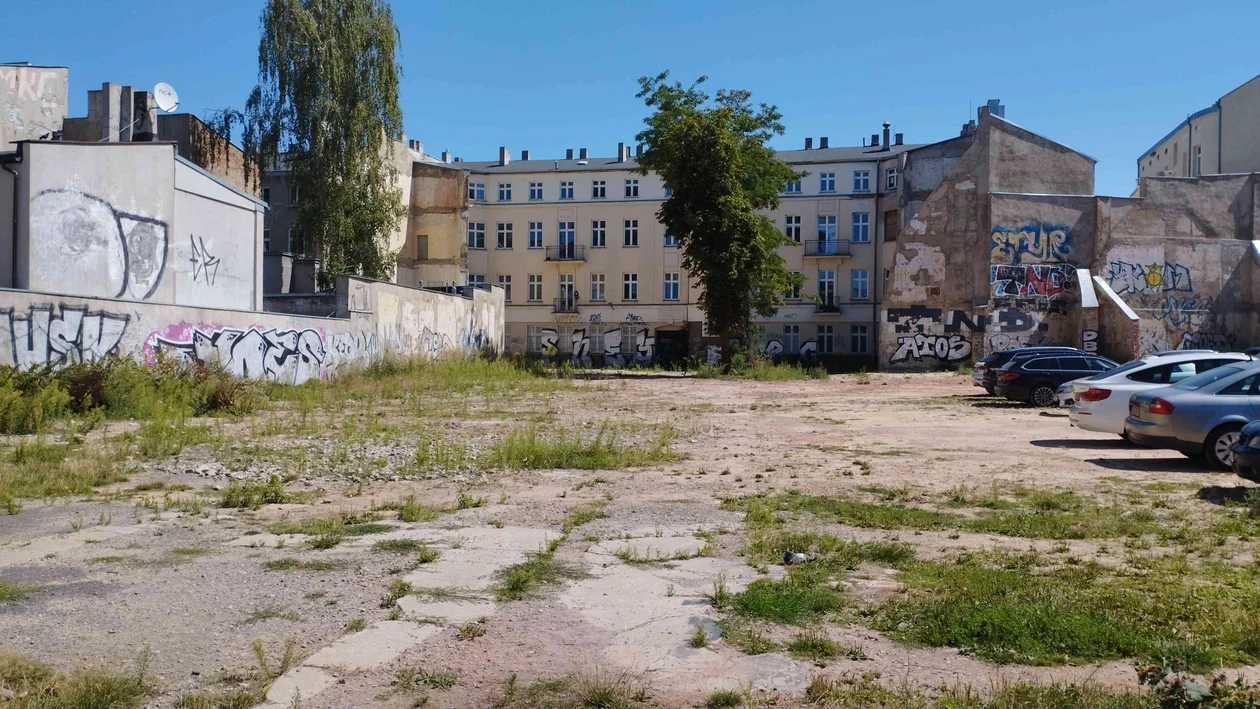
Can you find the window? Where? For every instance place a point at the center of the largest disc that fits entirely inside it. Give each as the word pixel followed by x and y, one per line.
pixel 505 192
pixel 566 236
pixel 826 288
pixel 1198 160
pixel 862 181
pixel 630 232
pixel 632 188
pixel 566 190
pixel 792 227
pixel 826 182
pixel 791 339
pixel 629 286
pixel 476 190
pixel 597 286
pixel 858 339
pixel 860 280
pixel 1165 373
pixel 794 187
pixel 266 195
pixel 266 240
pixel 1073 364
pixel 1242 387
pixel 826 339
pixel 671 286
pixel 599 189
pixel 535 191
pixel 890 178
pixel 505 282
pixel 295 194
pixel 794 288
pixel 599 233
pixel 1043 364
pixel 629 339
pixel 477 280
pixel 533 339
pixel 535 287
pixel 503 236
pixel 671 241
pixel 476 235
pixel 1199 381
pixel 827 229
pixel 669 191
pixel 535 235
pixel 861 228
pixel 567 292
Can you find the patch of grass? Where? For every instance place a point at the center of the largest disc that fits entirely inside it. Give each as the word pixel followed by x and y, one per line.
pixel 851 512
pixel 290 563
pixel 27 684
pixel 168 434
pixel 540 568
pixel 786 601
pixel 412 512
pixel 253 495
pixel 584 514
pixel 745 636
pixel 424 678
pixel 427 554
pixel 397 546
pixel 815 646
pixel 48 470
pixel 397 589
pixel 464 501
pixel 725 699
pixel 1009 608
pixel 11 592
pixel 270 612
pixel 355 625
pixel 699 638
pixel 589 691
pixel 232 699
pixel 435 453
pixel 866 692
pixel 532 449
pixel 472 631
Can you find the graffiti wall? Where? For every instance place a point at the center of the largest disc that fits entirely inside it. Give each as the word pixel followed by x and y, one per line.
pixel 628 344
pixel 39 329
pixel 32 102
pixel 927 336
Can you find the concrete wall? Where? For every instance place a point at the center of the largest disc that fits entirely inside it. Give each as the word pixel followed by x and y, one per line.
pixel 32 102
pixel 200 144
pixel 1022 161
pixel 436 226
pixel 130 220
pixel 39 329
pixel 1240 128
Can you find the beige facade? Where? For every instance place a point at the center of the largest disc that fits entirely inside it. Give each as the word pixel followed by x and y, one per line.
pixel 589 270
pixel 1223 138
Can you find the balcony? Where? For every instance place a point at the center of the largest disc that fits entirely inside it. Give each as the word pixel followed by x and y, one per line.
pixel 825 249
pixel 827 304
pixel 566 252
pixel 567 304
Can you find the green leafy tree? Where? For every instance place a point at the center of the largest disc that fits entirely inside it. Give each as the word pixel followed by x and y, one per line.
pixel 713 156
pixel 326 108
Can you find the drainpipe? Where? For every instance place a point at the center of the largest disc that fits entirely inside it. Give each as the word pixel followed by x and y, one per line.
pixel 1220 125
pixel 879 275
pixel 5 161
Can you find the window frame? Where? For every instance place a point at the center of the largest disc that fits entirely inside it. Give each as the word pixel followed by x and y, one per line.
pixel 859 334
pixel 791 229
pixel 632 188
pixel 599 189
pixel 861 233
pixel 505 191
pixel 504 281
pixel 826 182
pixel 629 287
pixel 891 176
pixel 672 278
pixel 501 230
pixel 535 191
pixel 601 231
pixel 535 231
pixel 532 281
pixel 629 233
pixel 826 334
pixel 861 180
pixel 865 280
pixel 601 291
pixel 566 189
pixel 477 235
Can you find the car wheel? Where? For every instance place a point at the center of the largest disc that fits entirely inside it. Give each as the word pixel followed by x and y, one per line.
pixel 1217 446
pixel 990 390
pixel 1043 397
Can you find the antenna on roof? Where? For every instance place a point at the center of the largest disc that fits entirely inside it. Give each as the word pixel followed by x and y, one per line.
pixel 167 99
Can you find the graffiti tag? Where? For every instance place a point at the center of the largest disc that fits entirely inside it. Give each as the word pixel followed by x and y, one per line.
pixel 1032 243
pixel 1039 280
pixel 946 348
pixel 1126 277
pixel 70 336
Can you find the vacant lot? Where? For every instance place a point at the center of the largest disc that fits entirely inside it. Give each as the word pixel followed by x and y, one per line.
pixel 472 535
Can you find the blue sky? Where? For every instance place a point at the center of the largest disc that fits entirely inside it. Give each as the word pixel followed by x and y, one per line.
pixel 1105 77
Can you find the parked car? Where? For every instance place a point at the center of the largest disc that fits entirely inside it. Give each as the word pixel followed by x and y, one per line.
pixel 1034 378
pixel 984 372
pixel 1065 394
pixel 1202 415
pixel 1247 453
pixel 1102 400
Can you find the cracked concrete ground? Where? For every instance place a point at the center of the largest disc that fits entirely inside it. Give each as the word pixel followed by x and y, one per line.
pixel 195 588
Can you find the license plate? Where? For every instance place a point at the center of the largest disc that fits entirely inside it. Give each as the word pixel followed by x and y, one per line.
pixel 1135 410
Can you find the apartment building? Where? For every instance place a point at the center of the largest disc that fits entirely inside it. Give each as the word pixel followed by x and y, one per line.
pixel 591 274
pixel 1223 138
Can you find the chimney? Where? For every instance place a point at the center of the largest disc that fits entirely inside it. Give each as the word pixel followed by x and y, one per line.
pixel 996 108
pixel 898 139
pixel 874 140
pixel 446 156
pixel 144 116
pixel 504 156
pixel 568 154
pixel 625 153
pixel 638 150
pixel 524 155
pixel 581 153
pixel 822 142
pixel 887 125
pixel 809 143
pixel 621 152
pixel 459 160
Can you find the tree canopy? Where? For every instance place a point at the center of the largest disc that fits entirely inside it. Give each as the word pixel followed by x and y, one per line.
pixel 713 156
pixel 326 109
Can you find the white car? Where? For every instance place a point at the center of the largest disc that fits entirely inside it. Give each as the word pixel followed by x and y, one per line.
pixel 1101 402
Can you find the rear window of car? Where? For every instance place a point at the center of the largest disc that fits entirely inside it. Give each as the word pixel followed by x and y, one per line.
pixel 1135 364
pixel 1199 381
pixel 1073 364
pixel 1165 373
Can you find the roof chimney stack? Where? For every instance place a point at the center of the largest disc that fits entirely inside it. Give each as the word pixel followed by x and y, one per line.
pixel 874 140
pixel 621 152
pixel 887 125
pixel 809 143
pixel 898 139
pixel 446 156
pixel 581 153
pixel 504 157
pixel 568 154
pixel 524 155
pixel 638 150
pixel 822 142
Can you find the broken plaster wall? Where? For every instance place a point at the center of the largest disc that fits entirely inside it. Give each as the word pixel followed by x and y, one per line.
pixel 33 102
pixel 437 218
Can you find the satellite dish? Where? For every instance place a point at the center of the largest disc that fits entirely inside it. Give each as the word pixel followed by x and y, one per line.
pixel 167 99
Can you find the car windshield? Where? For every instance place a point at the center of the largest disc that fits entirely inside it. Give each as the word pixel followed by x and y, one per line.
pixel 1199 381
pixel 1120 370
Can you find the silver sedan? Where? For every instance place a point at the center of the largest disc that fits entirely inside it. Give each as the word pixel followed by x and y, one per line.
pixel 1201 415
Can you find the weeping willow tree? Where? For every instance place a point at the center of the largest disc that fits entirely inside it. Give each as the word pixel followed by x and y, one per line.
pixel 326 110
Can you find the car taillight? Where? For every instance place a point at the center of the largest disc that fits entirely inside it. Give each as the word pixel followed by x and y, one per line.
pixel 1159 406
pixel 1008 376
pixel 1094 394
pixel 980 365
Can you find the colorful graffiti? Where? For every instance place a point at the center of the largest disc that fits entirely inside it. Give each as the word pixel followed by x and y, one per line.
pixel 577 348
pixel 1034 281
pixel 1125 277
pixel 61 335
pixel 1178 311
pixel 1036 242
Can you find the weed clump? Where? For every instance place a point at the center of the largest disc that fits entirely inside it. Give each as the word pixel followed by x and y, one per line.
pixel 531 449
pixel 252 495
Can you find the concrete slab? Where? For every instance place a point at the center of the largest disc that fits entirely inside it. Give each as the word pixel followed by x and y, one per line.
pixel 652 548
pixel 268 541
pixel 40 547
pixel 373 647
pixel 298 683
pixel 456 612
